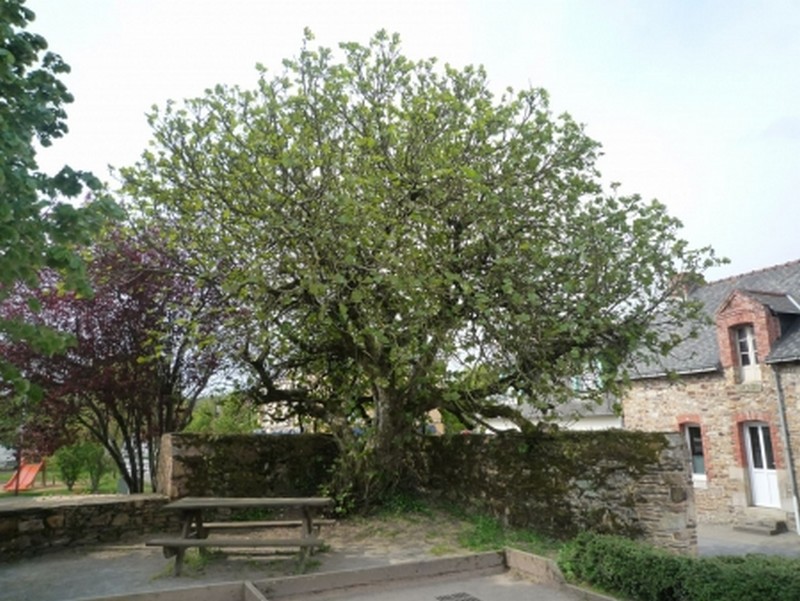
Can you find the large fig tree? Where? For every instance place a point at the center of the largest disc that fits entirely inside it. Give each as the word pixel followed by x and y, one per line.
pixel 398 239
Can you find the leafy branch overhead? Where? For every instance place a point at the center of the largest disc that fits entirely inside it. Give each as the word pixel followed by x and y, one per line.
pixel 38 228
pixel 396 238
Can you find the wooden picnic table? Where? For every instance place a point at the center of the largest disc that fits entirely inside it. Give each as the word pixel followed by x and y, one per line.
pixel 195 530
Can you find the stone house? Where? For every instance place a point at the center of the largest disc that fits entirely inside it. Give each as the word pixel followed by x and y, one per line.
pixel 734 394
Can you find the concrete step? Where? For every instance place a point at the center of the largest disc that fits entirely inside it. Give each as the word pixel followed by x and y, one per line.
pixel 764 527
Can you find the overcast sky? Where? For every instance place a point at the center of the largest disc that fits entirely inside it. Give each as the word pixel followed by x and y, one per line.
pixel 696 103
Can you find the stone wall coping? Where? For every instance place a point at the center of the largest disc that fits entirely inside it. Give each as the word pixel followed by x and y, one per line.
pixel 16 504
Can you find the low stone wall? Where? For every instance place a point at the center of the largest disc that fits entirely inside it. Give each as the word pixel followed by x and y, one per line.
pixel 629 483
pixel 30 526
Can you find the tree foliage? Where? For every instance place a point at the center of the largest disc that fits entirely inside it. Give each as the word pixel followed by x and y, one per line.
pixel 225 414
pixel 142 354
pixel 74 460
pixel 39 229
pixel 399 239
pixel 70 463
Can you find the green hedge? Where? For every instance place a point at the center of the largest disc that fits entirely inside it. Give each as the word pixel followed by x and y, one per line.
pixel 643 573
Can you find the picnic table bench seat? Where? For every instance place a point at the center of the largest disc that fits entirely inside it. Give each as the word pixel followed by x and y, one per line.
pixel 235 525
pixel 185 543
pixel 195 533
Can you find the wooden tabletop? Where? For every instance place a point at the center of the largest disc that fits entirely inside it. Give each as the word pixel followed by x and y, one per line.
pixel 238 502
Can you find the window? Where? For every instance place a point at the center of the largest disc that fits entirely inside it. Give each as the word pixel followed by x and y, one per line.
pixel 746 346
pixel 761 455
pixel 746 354
pixel 589 380
pixel 694 440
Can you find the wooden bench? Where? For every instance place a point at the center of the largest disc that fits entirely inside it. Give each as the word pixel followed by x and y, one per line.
pixel 194 532
pixel 316 524
pixel 176 547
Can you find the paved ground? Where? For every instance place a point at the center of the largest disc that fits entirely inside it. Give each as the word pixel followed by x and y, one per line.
pixel 128 569
pixel 502 587
pixel 723 540
pixel 114 569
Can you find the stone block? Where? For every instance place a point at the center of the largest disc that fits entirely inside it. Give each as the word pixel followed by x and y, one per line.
pixel 8 527
pixel 678 494
pixel 121 519
pixel 55 521
pixel 34 525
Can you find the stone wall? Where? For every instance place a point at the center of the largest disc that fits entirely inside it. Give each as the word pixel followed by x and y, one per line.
pixel 630 483
pixel 720 406
pixel 31 526
pixel 612 481
pixel 244 465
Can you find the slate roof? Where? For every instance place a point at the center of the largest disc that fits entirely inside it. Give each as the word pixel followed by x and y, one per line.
pixel 779 303
pixel 787 348
pixel 776 287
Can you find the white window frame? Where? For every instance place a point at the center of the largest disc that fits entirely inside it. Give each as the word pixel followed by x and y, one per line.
pixel 699 479
pixel 746 353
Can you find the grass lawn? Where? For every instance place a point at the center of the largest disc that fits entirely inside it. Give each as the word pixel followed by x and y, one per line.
pixel 476 532
pixel 48 484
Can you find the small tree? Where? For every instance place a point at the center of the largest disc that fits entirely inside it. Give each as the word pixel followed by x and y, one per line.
pixel 142 355
pixel 228 414
pixel 70 463
pixel 96 463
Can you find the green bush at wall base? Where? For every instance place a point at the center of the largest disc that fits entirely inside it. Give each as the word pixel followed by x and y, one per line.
pixel 643 573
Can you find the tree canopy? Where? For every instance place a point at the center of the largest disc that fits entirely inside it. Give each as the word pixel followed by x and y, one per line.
pixel 39 228
pixel 397 239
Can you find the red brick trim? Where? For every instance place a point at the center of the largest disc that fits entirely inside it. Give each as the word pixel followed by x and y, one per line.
pixel 687 418
pixel 741 310
pixel 739 450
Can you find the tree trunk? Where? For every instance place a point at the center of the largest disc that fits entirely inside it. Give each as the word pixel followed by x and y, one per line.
pixel 390 437
pixel 376 465
pixel 394 444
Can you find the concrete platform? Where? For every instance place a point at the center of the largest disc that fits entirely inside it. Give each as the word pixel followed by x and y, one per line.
pixel 496 576
pixel 501 587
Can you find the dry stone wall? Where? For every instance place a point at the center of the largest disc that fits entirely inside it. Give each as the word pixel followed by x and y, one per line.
pixel 31 526
pixel 636 484
pixel 630 483
pixel 244 465
pixel 618 482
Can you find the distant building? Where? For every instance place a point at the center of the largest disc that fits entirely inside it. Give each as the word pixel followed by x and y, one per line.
pixel 573 415
pixel 8 458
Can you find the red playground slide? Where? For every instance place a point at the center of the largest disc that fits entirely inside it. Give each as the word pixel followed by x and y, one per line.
pixel 26 475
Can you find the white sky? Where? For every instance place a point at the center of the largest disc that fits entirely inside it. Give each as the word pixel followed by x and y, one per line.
pixel 696 103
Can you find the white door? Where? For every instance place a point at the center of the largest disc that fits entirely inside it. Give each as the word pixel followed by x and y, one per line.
pixel 761 464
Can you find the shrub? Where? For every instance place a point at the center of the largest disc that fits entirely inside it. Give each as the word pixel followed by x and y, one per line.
pixel 620 565
pixel 745 578
pixel 70 462
pixel 96 462
pixel 644 573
